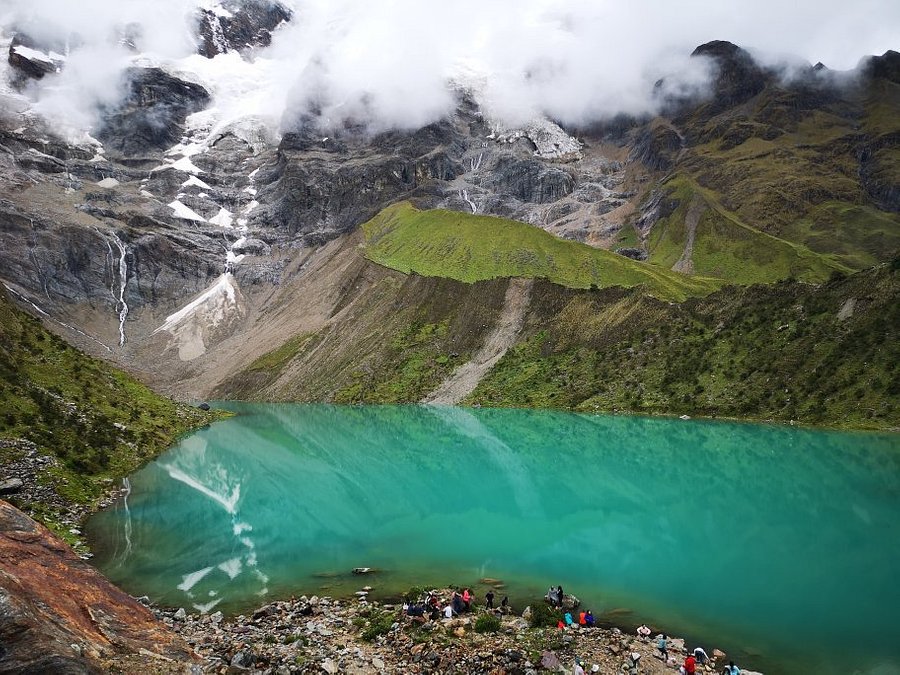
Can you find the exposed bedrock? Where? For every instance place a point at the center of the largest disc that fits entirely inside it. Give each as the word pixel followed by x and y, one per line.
pixel 59 615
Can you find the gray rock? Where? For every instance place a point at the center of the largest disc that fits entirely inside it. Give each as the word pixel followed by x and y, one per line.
pixel 250 24
pixel 243 659
pixel 10 486
pixel 549 661
pixel 180 615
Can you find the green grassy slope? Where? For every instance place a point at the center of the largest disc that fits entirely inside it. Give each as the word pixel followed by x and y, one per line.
pixel 775 351
pixel 786 169
pixel 472 248
pixel 100 423
pixel 762 352
pixel 729 249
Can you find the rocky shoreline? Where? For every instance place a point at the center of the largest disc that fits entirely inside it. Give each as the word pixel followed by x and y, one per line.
pixel 361 637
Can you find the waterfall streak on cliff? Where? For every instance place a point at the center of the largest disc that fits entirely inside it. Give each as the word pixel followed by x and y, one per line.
pixel 121 305
pixel 464 195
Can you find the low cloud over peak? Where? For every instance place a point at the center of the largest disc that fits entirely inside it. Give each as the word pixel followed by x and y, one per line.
pixel 388 64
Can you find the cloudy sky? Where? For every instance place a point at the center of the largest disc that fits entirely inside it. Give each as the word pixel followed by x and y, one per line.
pixel 575 60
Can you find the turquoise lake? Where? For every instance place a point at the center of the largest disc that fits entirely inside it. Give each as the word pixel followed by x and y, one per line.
pixel 776 544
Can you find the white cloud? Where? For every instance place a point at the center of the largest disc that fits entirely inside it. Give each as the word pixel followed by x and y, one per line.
pixel 387 62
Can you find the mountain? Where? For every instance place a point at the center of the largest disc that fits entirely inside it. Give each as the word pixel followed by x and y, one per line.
pixel 210 255
pixel 73 426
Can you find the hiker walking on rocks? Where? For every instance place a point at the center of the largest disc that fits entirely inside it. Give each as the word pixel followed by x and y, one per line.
pixel 701 656
pixel 661 645
pixel 504 605
pixel 559 594
pixel 690 665
pixel 589 619
pixel 489 599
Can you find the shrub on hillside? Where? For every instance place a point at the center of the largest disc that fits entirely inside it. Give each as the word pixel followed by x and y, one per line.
pixel 543 615
pixel 487 623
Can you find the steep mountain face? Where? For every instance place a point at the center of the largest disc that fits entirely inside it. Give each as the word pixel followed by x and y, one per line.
pixel 187 248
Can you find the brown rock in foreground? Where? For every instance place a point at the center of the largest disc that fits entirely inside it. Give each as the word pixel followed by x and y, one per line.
pixel 58 614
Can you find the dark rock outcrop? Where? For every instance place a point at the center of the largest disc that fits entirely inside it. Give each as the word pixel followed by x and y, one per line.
pixel 531 180
pixel 657 146
pixel 244 24
pixel 886 66
pixel 322 186
pixel 151 116
pixel 59 615
pixel 31 60
pixel 876 172
pixel 738 77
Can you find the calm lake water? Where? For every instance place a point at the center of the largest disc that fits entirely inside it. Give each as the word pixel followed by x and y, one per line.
pixel 778 545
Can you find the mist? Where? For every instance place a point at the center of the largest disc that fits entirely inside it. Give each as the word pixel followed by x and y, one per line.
pixel 395 63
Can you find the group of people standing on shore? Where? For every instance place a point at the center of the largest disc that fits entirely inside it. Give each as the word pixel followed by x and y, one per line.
pixel 461 601
pixel 694 658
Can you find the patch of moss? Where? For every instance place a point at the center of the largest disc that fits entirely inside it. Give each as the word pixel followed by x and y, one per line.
pixel 416 362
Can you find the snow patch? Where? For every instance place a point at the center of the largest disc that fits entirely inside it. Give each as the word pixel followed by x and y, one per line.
pixel 34 55
pixel 203 608
pixel 190 324
pixel 188 581
pixel 193 180
pixel 182 211
pixel 231 567
pixel 223 218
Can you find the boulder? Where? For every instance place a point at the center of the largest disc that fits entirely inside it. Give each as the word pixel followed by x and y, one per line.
pixel 243 659
pixel 549 661
pixel 10 486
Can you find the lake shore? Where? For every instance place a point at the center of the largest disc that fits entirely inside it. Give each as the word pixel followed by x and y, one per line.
pixel 315 635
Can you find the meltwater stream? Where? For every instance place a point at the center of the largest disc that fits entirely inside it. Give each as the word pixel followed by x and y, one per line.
pixel 779 545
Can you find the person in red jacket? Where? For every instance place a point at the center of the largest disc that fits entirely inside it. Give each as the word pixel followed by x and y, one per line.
pixel 690 665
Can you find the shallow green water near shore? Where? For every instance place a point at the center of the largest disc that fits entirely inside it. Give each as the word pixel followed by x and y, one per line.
pixel 780 545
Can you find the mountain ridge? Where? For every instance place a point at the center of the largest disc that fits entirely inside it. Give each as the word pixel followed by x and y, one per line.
pixel 772 176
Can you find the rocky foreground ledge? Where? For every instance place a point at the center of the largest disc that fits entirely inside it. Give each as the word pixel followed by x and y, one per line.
pixel 324 635
pixel 59 615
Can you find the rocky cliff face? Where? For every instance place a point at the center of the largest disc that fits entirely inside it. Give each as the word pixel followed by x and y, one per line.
pixel 237 25
pixel 60 615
